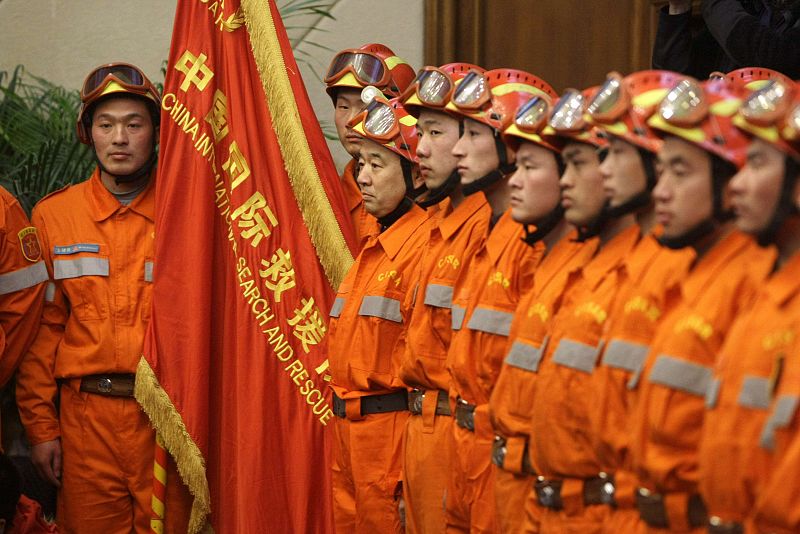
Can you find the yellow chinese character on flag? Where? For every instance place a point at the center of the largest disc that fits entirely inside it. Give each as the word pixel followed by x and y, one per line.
pixel 250 217
pixel 237 167
pixel 217 118
pixel 278 273
pixel 308 325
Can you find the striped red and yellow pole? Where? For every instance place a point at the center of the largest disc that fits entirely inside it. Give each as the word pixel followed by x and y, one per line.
pixel 159 488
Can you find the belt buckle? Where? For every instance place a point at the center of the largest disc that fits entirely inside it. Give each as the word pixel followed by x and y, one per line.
pixel 546 494
pixel 104 385
pixel 416 404
pixel 465 417
pixel 607 489
pixel 499 451
pixel 717 525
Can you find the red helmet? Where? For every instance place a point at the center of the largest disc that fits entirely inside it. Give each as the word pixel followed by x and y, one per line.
pixel 387 123
pixel 568 120
pixel 702 114
pixel 772 114
pixel 114 78
pixel 433 87
pixel 754 78
pixel 372 64
pixel 492 97
pixel 622 105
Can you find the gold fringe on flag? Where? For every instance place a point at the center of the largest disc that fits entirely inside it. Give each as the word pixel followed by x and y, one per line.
pixel 169 426
pixel 332 251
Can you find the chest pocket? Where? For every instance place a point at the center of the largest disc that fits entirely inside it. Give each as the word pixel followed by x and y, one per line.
pixel 83 270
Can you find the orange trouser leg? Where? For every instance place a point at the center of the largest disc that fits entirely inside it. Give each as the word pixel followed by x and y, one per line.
pixel 624 520
pixel 470 486
pixel 586 520
pixel 425 472
pixel 533 512
pixel 511 492
pixel 367 462
pixel 107 446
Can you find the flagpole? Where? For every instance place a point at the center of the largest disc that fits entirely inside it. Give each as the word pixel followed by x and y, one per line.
pixel 157 502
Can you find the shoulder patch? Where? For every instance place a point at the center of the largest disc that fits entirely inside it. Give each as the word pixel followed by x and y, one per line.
pixel 29 244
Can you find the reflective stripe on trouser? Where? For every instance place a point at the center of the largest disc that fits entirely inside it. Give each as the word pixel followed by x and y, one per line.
pixel 511 493
pixel 23 278
pixel 682 375
pixel 365 473
pixel 470 485
pixel 107 470
pixel 426 468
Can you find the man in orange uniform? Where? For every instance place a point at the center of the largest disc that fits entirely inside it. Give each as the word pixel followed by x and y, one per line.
pixel 457 230
pixel 350 71
pixel 733 467
pixel 701 151
pixel 575 492
pixel 22 272
pixel 97 242
pixel 501 271
pixel 366 327
pixel 536 196
pixel 652 274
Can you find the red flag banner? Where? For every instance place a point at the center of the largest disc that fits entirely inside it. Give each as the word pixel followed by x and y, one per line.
pixel 248 248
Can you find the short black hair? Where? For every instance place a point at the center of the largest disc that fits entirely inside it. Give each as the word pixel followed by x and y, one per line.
pixel 10 488
pixel 152 107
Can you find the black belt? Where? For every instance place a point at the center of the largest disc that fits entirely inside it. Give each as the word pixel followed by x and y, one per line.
pixel 465 415
pixel 112 385
pixel 653 511
pixel 499 451
pixel 717 526
pixel 370 404
pixel 416 396
pixel 596 490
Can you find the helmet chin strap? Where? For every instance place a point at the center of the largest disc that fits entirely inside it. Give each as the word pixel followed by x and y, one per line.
pixel 141 172
pixel 643 198
pixel 785 207
pixel 437 194
pixel 487 180
pixel 390 218
pixel 543 226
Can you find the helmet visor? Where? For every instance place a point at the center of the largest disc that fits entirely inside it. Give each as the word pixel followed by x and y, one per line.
pixel 472 92
pixel 767 105
pixel 685 105
pixel 609 103
pixel 532 115
pixel 368 68
pixel 380 122
pixel 126 75
pixel 568 114
pixel 433 87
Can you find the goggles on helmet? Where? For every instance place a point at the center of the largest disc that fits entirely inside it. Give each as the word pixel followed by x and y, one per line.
pixel 126 75
pixel 380 121
pixel 368 68
pixel 610 102
pixel 768 105
pixel 685 105
pixel 472 93
pixel 567 116
pixel 532 115
pixel 432 86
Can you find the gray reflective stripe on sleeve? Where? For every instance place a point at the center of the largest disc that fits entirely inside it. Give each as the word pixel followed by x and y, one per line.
pixel 682 375
pixel 628 356
pixel 23 278
pixel 382 307
pixel 781 416
pixel 148 271
pixel 75 267
pixel 576 355
pixel 50 292
pixel 439 296
pixel 755 393
pixel 336 309
pixel 712 395
pixel 525 356
pixel 491 321
pixel 457 318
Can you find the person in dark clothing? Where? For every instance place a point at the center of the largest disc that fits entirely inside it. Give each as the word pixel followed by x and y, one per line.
pixel 736 33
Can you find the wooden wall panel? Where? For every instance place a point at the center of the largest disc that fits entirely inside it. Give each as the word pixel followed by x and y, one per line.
pixel 569 43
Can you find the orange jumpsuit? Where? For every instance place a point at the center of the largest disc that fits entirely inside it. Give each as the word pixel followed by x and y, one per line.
pixel 510 402
pixel 777 506
pixel 364 224
pixel 733 467
pixel 100 255
pixel 22 272
pixel 365 348
pixel 648 292
pixel 455 236
pixel 482 313
pixel 667 421
pixel 561 446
